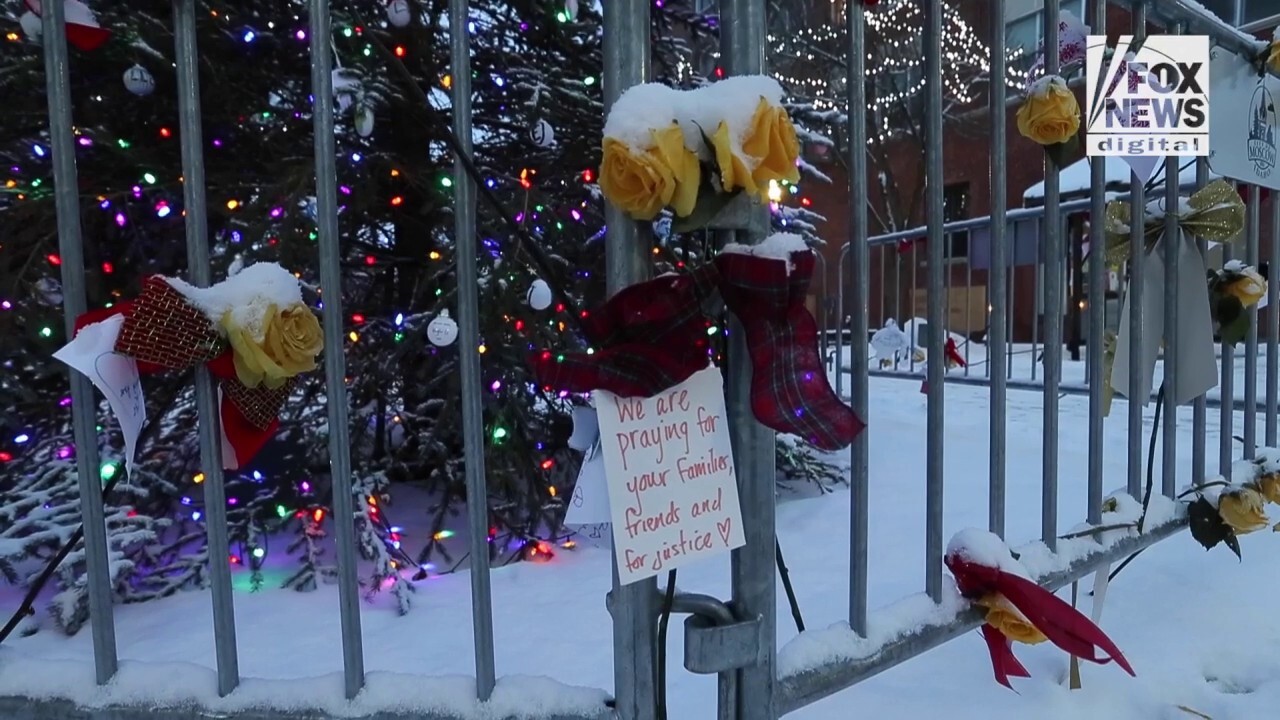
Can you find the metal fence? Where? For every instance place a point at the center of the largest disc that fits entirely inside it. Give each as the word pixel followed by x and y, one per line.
pixel 734 640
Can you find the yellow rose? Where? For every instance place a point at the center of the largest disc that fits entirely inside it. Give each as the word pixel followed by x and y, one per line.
pixel 733 171
pixel 1004 617
pixel 1050 114
pixel 1273 57
pixel 1249 287
pixel 771 140
pixel 642 183
pixel 1242 510
pixel 1269 486
pixel 290 341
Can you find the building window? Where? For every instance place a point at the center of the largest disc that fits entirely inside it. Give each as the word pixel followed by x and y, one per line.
pixel 955 207
pixel 1026 31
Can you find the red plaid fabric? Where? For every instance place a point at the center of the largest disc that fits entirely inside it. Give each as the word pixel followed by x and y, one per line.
pixel 647 338
pixel 652 336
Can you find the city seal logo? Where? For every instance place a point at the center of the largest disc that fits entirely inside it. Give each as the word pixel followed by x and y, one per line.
pixel 1261 145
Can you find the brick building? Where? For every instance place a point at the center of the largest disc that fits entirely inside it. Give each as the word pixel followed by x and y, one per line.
pixel 966 158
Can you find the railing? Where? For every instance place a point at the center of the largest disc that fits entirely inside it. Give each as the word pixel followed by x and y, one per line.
pixel 757 681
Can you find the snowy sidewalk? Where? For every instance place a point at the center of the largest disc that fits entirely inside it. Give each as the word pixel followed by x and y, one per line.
pixel 1198 627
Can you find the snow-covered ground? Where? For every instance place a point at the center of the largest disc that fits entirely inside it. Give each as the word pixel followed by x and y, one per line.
pixel 1198 627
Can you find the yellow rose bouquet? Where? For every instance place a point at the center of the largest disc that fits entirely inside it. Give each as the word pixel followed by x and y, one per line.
pixel 693 151
pixel 252 331
pixel 1223 510
pixel 1050 116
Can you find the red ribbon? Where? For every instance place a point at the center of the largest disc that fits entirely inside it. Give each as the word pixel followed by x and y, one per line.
pixel 162 331
pixel 1062 624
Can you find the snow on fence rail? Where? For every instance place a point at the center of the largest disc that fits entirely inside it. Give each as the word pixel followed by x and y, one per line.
pixel 757 681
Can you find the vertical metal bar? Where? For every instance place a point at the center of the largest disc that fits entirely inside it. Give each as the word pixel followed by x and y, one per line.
pixel 968 305
pixel 464 230
pixel 997 347
pixel 911 302
pixel 335 370
pixel 1037 288
pixel 1226 396
pixel 859 453
pixel 83 404
pixel 1199 410
pixel 1251 342
pixel 197 227
pixel 1053 276
pixel 1011 319
pixel 1172 249
pixel 839 356
pixel 935 425
pixel 633 607
pixel 1273 325
pixel 742 46
pixel 1133 294
pixel 1097 304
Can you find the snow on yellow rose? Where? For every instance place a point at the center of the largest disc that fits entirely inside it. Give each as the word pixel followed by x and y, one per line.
pixel 290 341
pixel 1269 486
pixel 1004 617
pixel 1242 510
pixel 642 183
pixel 1050 114
pixel 1249 287
pixel 734 173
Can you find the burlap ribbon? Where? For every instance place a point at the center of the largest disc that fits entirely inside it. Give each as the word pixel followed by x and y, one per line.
pixel 1214 213
pixel 1060 623
pixel 163 331
pixel 653 336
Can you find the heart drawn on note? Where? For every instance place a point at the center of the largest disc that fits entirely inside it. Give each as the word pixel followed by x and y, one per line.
pixel 726 528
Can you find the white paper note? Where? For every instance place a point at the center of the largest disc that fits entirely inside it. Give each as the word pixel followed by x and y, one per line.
pixel 92 353
pixel 589 504
pixel 673 492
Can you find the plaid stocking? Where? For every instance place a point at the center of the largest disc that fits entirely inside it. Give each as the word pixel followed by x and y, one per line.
pixel 789 388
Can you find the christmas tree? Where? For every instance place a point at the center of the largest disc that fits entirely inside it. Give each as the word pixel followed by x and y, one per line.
pixel 538 114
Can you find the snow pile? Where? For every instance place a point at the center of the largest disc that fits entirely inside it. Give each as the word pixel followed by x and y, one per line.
pixel 247 295
pixel 778 246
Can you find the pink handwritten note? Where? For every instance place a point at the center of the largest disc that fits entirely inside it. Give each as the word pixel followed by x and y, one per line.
pixel 673 493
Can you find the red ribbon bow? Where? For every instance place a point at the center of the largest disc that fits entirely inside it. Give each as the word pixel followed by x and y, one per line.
pixel 1062 624
pixel 653 336
pixel 163 331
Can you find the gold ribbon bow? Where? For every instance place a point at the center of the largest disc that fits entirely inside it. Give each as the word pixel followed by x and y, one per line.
pixel 1215 213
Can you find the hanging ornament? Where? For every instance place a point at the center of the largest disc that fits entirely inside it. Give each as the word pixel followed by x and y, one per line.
pixel 662 227
pixel 442 330
pixel 542 134
pixel 571 9
pixel 83 31
pixel 345 89
pixel 364 121
pixel 138 80
pixel 31 27
pixel 399 13
pixel 539 295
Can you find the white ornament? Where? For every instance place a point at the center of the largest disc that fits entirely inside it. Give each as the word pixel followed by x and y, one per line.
pixel 31 27
pixel 399 13
pixel 364 121
pixel 571 9
pixel 138 80
pixel 539 295
pixel 542 134
pixel 442 330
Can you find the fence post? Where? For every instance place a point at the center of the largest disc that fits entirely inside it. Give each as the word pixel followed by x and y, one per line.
pixel 634 606
pixel 335 365
pixel 467 278
pixel 200 275
pixel 742 47
pixel 998 275
pixel 83 403
pixel 859 387
pixel 936 309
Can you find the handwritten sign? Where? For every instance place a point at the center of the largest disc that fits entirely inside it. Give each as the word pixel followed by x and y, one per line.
pixel 673 494
pixel 589 504
pixel 92 353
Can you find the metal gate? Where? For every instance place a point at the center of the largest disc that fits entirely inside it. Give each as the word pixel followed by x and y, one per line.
pixel 733 639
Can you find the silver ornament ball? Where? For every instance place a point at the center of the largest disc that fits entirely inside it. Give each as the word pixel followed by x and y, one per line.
pixel 399 13
pixel 138 80
pixel 542 134
pixel 539 296
pixel 442 330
